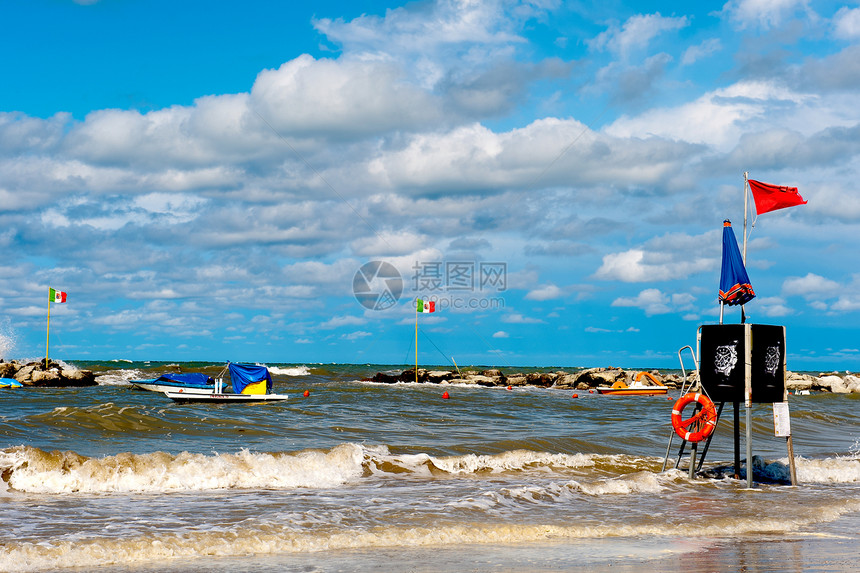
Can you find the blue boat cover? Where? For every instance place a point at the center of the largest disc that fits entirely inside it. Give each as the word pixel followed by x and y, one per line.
pixel 189 378
pixel 243 374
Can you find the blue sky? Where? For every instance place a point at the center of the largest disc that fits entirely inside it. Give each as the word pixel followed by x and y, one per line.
pixel 206 179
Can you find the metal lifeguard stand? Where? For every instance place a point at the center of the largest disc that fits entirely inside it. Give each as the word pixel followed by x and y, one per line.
pixel 738 363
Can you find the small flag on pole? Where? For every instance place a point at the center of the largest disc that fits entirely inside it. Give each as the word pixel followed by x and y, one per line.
pixel 56 295
pixel 426 306
pixel 772 197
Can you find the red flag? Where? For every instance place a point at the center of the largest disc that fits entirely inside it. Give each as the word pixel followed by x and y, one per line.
pixel 772 197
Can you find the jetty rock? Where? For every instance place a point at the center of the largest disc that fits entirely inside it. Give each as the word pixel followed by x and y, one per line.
pixel 605 376
pixel 55 375
pixel 838 384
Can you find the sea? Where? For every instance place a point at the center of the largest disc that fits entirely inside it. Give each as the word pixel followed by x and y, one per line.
pixel 354 476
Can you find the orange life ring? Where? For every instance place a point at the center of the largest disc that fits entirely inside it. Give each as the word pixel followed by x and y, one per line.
pixel 701 425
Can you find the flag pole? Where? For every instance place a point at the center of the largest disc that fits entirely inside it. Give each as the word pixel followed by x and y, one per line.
pixel 416 342
pixel 744 253
pixel 48 335
pixel 747 345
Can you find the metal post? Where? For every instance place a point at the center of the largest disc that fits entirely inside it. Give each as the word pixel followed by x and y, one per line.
pixel 748 392
pixel 48 334
pixel 749 446
pixel 693 460
pixel 791 465
pixel 737 432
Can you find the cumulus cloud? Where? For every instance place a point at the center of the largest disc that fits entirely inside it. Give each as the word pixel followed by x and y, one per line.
pixel 636 33
pixel 519 318
pixel 654 301
pixel 545 292
pixel 846 23
pixel 695 53
pixel 343 98
pixel 811 286
pixel 764 13
pixel 637 265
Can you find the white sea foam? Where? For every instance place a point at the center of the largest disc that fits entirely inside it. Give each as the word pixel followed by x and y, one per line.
pixel 280 538
pixel 827 470
pixel 290 371
pixel 639 482
pixel 120 377
pixel 33 470
pixel 36 471
pixel 7 339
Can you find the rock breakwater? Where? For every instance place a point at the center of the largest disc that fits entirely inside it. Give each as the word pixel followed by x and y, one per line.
pixel 591 378
pixel 54 375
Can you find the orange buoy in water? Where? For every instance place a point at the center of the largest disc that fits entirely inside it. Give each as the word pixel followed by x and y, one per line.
pixel 445 395
pixel 575 396
pixel 509 388
pixel 307 393
pixel 591 391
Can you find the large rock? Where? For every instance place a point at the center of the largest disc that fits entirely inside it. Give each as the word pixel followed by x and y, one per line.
pixel 853 383
pixel 795 382
pixel 840 384
pixel 833 383
pixel 601 376
pixel 55 375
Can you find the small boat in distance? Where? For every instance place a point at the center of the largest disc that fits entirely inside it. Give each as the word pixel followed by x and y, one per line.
pixel 250 383
pixel 9 383
pixel 177 381
pixel 635 388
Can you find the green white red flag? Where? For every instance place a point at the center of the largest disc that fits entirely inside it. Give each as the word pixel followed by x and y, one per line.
pixel 426 305
pixel 56 295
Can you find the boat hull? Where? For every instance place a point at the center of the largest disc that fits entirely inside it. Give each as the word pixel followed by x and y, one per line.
pixel 646 391
pixel 184 395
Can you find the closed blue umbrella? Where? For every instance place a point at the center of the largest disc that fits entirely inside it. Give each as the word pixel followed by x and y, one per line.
pixel 735 287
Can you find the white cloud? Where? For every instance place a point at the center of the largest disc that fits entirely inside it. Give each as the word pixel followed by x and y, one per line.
pixel 636 33
pixel 720 117
pixel 811 286
pixel 545 292
pixel 341 98
pixel 771 307
pixel 517 318
pixel 763 13
pixel 388 244
pixel 339 321
pixel 637 265
pixel 847 23
pixel 356 335
pixel 501 334
pixel 654 301
pixel 695 53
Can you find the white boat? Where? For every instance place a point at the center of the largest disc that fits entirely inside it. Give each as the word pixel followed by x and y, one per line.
pixel 215 398
pixel 250 383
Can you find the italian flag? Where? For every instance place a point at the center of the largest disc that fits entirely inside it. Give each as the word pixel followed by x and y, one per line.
pixel 428 306
pixel 56 295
